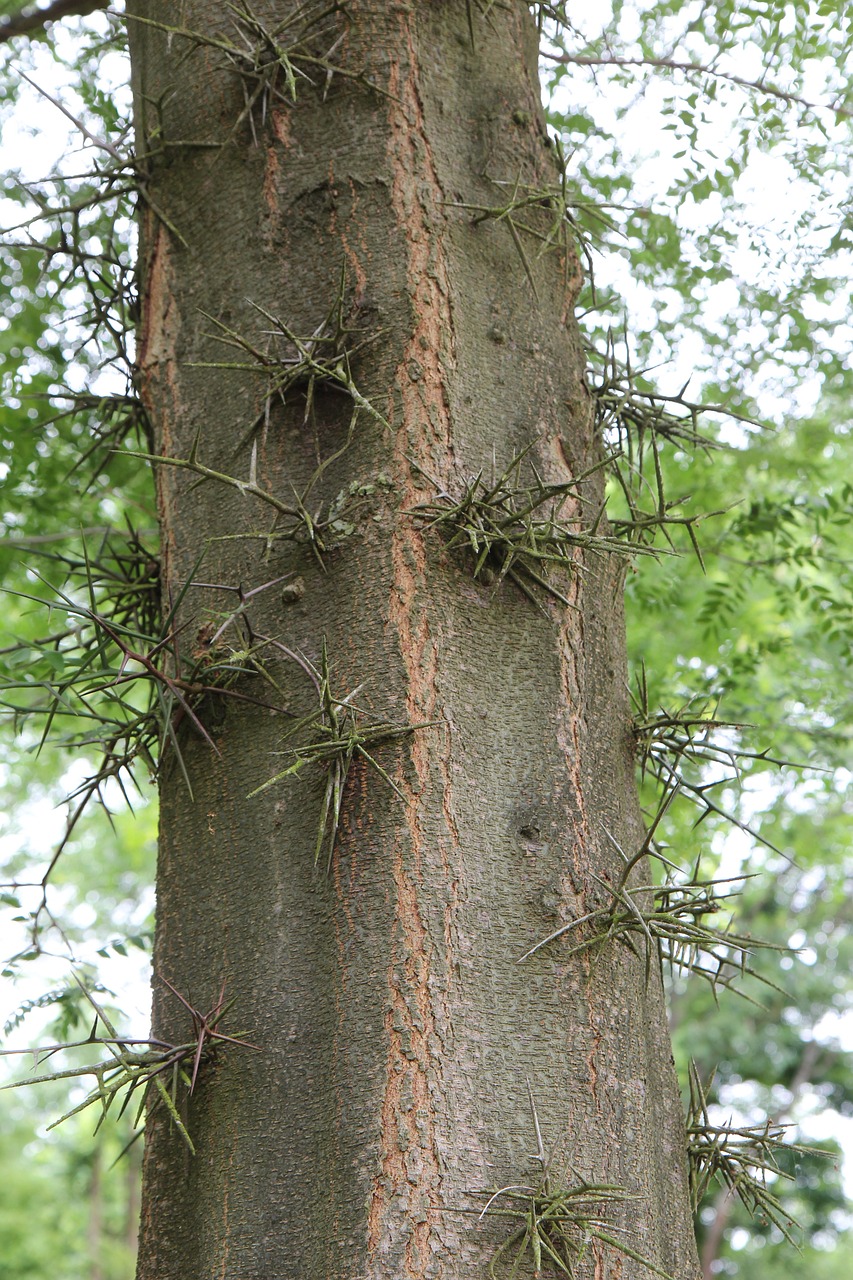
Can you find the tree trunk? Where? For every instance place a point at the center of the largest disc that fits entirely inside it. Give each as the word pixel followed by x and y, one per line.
pixel 396 1029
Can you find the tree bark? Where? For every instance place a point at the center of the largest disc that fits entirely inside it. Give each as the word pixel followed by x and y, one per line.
pixel 396 1029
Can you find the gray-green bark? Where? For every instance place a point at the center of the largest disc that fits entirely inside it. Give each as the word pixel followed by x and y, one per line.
pixel 397 1030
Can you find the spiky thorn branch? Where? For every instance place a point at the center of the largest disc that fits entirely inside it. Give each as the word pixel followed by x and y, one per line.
pixel 298 365
pixel 740 1158
pixel 93 204
pixel 484 8
pixel 337 735
pixel 624 405
pixel 555 13
pixel 71 208
pixel 102 144
pixel 113 677
pixel 74 208
pixel 546 213
pixel 669 923
pixel 270 60
pixel 635 422
pixel 516 532
pixel 688 733
pixel 298 523
pixel 125 176
pixel 694 736
pixel 114 419
pixel 557 1223
pixel 133 1064
pixel 266 56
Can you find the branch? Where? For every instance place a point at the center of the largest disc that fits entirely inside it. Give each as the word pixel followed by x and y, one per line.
pixel 669 64
pixel 31 19
pixel 727 1197
pixel 92 137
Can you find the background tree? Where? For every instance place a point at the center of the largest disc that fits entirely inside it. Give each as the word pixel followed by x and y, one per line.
pixel 791 523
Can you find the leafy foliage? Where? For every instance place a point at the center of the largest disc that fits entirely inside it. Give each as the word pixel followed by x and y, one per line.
pixel 87 1230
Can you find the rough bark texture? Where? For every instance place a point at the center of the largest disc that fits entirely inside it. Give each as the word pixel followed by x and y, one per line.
pixel 397 1030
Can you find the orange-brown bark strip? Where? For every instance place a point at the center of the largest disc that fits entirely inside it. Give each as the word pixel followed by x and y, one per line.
pixel 157 381
pixel 570 730
pixel 344 235
pixel 424 409
pixel 449 844
pixel 272 178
